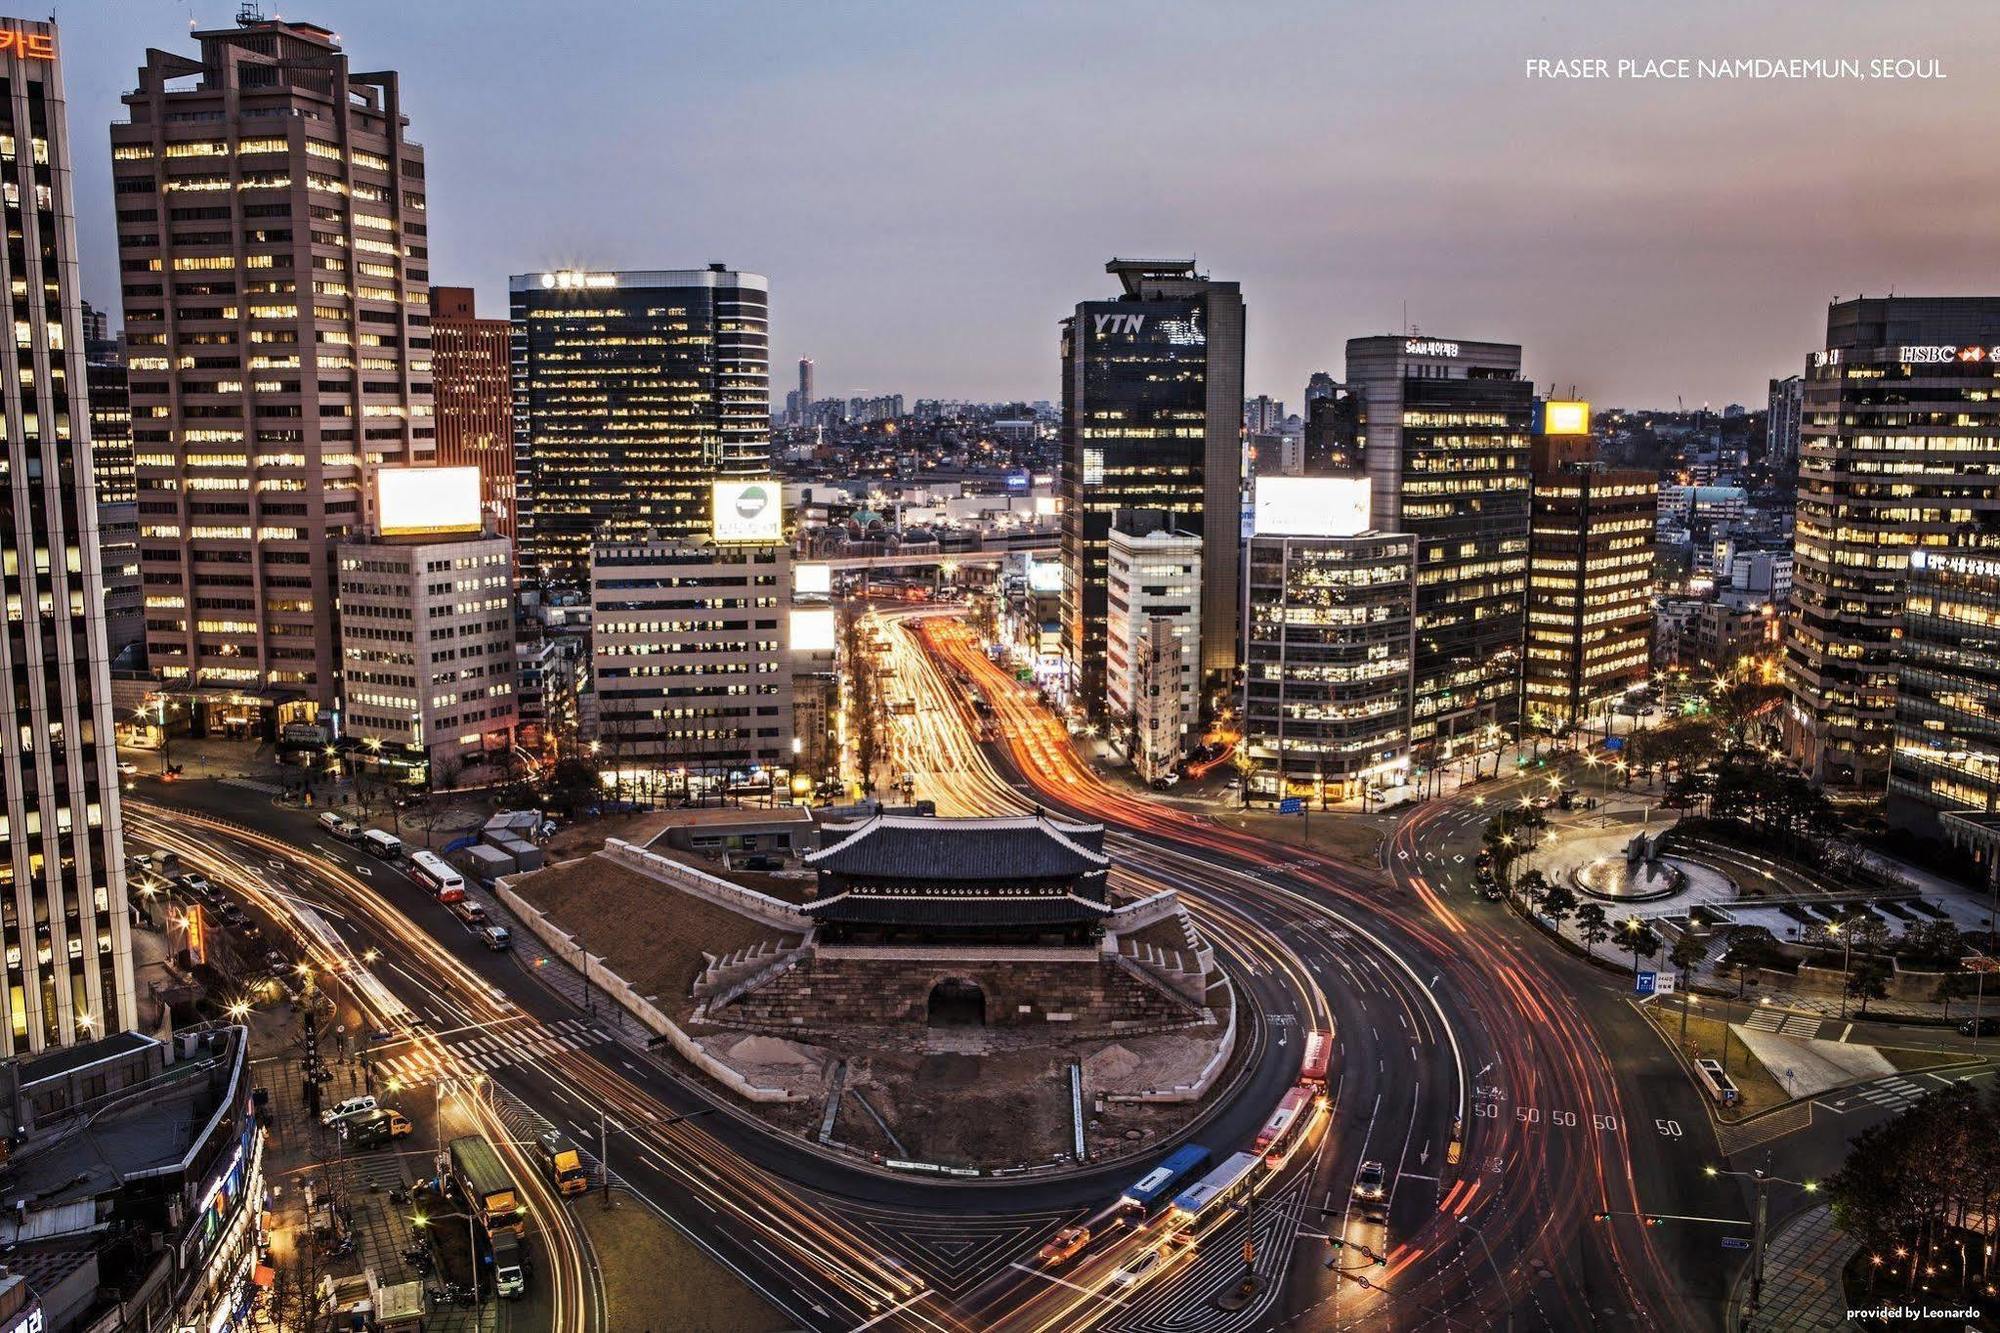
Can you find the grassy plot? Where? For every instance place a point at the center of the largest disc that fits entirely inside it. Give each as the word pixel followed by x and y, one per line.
pixel 658 1281
pixel 1758 1090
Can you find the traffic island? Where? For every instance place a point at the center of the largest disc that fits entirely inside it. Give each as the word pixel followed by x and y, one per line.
pixel 656 1278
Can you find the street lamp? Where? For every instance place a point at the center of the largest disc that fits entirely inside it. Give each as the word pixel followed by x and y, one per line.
pixel 1846 957
pixel 1762 1180
pixel 420 1221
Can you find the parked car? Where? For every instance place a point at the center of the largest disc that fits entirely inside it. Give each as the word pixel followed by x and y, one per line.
pixel 1064 1244
pixel 348 1110
pixel 127 768
pixel 340 826
pixel 1979 1027
pixel 496 938
pixel 469 913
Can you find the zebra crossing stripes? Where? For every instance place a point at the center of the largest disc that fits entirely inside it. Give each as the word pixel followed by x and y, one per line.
pixel 492 1048
pixel 1787 1024
pixel 1892 1094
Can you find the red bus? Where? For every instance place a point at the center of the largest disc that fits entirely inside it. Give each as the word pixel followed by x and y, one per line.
pixel 1319 1054
pixel 1284 1126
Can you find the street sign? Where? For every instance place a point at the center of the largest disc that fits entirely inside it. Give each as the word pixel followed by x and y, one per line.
pixel 1735 1243
pixel 1292 805
pixel 1664 984
pixel 1614 742
pixel 1646 983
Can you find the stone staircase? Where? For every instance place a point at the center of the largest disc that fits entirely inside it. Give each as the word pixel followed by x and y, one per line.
pixel 1185 970
pixel 728 969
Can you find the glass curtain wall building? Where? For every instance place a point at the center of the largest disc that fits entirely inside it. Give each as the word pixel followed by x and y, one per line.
pixel 633 393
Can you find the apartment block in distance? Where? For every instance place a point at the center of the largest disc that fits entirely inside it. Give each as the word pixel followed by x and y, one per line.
pixel 1590 576
pixel 1899 451
pixel 63 913
pixel 1152 419
pixel 427 627
pixel 633 393
pixel 1444 429
pixel 473 396
pixel 273 249
pixel 1328 643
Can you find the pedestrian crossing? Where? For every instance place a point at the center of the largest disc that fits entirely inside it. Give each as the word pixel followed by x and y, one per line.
pixel 1892 1094
pixel 484 1049
pixel 1785 1024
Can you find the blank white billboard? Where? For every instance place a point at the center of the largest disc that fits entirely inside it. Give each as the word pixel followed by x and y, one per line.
pixel 1310 507
pixel 417 501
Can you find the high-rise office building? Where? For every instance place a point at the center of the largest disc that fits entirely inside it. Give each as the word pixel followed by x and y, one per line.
pixel 473 393
pixel 117 504
pixel 63 914
pixel 691 655
pixel 633 393
pixel 427 625
pixel 1947 738
pixel 1590 576
pixel 1781 423
pixel 1899 449
pixel 805 389
pixel 1153 640
pixel 1152 419
pixel 1327 649
pixel 271 229
pixel 1445 427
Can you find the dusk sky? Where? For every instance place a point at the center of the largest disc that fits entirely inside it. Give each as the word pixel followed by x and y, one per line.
pixel 931 186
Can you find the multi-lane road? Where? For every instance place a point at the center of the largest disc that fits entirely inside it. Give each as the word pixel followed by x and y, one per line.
pixel 1512 1094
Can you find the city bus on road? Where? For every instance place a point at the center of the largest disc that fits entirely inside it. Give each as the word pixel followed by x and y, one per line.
pixel 1211 1196
pixel 1157 1185
pixel 1285 1127
pixel 1319 1054
pixel 430 870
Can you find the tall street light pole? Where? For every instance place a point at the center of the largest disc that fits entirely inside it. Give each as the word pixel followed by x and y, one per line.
pixel 1762 1182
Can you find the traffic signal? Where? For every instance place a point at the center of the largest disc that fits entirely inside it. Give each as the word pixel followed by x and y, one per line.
pixel 1600 1217
pixel 1335 1242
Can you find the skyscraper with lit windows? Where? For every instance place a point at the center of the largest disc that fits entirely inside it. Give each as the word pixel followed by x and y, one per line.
pixel 1444 428
pixel 1152 420
pixel 273 240
pixel 63 914
pixel 633 393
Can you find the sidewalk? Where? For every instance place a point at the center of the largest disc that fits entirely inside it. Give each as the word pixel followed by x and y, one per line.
pixel 1802 1263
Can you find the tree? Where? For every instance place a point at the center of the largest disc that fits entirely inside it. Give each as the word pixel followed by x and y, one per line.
pixel 1869 980
pixel 1686 955
pixel 1751 951
pixel 1638 939
pixel 1534 886
pixel 1591 924
pixel 1558 903
pixel 1955 986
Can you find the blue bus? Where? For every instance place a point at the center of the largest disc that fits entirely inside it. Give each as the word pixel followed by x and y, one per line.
pixel 1157 1185
pixel 1214 1191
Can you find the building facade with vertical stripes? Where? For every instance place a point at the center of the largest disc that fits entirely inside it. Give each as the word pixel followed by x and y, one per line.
pixel 63 918
pixel 474 398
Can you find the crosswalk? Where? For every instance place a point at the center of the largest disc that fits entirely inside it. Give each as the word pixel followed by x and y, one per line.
pixel 1785 1024
pixel 1892 1094
pixel 490 1048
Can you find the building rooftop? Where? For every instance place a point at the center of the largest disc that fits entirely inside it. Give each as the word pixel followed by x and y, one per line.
pixel 929 849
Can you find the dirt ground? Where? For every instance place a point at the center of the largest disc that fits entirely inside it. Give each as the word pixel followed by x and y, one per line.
pixel 657 1281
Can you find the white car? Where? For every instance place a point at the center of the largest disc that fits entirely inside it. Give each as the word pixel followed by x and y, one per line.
pixel 128 768
pixel 348 1109
pixel 1136 1268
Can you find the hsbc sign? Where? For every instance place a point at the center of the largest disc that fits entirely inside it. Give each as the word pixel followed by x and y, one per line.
pixel 1128 324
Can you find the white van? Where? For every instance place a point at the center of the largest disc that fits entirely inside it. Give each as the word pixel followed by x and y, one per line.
pixel 384 845
pixel 340 826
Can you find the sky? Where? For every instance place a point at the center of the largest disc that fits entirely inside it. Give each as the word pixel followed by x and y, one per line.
pixel 931 186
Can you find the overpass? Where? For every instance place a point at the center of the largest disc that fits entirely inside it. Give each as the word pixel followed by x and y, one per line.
pixel 1042 549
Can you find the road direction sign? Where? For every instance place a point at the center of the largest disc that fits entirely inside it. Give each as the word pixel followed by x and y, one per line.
pixel 1664 984
pixel 1292 805
pixel 1735 1243
pixel 1646 983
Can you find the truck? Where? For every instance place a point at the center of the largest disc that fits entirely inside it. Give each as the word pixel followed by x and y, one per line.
pixel 372 1129
pixel 563 1162
pixel 508 1256
pixel 485 1185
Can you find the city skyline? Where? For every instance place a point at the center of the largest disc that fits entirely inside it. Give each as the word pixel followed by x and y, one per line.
pixel 927 213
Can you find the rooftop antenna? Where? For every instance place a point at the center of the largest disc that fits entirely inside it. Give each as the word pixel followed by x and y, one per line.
pixel 1406 318
pixel 249 13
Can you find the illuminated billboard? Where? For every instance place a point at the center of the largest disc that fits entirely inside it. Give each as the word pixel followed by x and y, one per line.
pixel 812 629
pixel 1561 417
pixel 749 511
pixel 812 580
pixel 1045 576
pixel 427 501
pixel 1311 506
